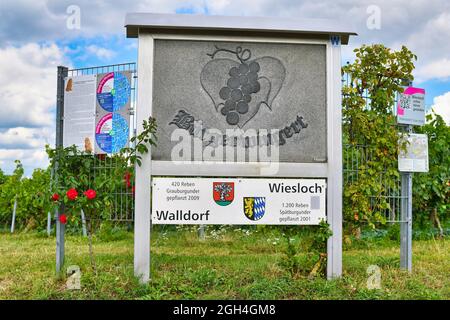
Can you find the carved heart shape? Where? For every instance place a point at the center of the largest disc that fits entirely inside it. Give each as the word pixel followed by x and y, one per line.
pixel 238 89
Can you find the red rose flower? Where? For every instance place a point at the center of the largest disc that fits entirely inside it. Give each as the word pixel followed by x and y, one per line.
pixel 90 194
pixel 55 197
pixel 63 218
pixel 127 179
pixel 72 194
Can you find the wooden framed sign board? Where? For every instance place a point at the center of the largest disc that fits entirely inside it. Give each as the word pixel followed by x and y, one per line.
pixel 249 124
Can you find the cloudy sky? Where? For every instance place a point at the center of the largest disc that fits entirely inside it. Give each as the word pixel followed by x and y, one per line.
pixel 35 37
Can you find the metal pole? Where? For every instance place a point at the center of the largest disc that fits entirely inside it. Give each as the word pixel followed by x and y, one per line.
pixel 13 222
pixel 406 218
pixel 83 223
pixel 60 228
pixel 143 175
pixel 62 73
pixel 49 223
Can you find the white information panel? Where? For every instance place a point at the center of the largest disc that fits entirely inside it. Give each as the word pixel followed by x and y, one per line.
pixel 238 201
pixel 415 157
pixel 79 111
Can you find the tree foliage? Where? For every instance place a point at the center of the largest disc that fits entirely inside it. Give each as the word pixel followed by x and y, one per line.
pixel 31 194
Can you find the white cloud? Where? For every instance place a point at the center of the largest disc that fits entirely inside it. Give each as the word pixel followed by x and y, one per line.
pixel 30 159
pixel 28 84
pixel 101 53
pixel 26 138
pixel 439 69
pixel 441 105
pixel 11 154
pixel 27 103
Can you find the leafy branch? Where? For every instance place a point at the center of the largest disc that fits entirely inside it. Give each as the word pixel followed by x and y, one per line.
pixel 142 141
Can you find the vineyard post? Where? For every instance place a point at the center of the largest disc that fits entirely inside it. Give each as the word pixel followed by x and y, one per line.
pixel 201 232
pixel 13 221
pixel 62 73
pixel 83 223
pixel 49 223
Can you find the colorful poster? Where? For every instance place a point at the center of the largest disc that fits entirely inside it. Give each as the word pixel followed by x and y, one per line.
pixel 113 91
pixel 111 133
pixel 112 125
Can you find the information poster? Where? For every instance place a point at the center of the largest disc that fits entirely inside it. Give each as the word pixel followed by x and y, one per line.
pixel 415 157
pixel 79 111
pixel 238 201
pixel 112 121
pixel 411 106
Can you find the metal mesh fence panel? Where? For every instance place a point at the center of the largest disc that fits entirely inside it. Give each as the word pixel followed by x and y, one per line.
pixel 121 207
pixel 356 155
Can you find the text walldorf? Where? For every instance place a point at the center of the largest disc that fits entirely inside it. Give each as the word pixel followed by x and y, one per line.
pixel 179 215
pixel 296 188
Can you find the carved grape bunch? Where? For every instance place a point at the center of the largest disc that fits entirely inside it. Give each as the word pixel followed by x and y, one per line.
pixel 241 84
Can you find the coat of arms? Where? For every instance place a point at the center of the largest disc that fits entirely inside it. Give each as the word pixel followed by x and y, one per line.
pixel 223 193
pixel 254 207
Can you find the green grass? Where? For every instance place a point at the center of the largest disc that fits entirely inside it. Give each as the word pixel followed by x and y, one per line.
pixel 229 264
